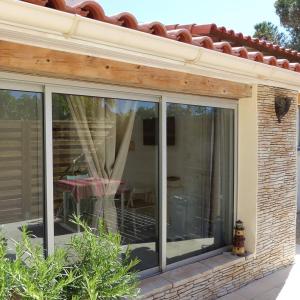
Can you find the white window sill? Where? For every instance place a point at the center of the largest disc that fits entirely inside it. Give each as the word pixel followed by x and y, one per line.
pixel 160 283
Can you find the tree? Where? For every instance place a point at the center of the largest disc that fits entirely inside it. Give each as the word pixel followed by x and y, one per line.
pixel 269 32
pixel 289 14
pixel 15 105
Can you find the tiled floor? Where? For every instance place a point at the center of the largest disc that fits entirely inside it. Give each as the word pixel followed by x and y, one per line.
pixel 281 285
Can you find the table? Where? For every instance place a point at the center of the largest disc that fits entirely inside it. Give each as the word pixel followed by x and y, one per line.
pixel 84 188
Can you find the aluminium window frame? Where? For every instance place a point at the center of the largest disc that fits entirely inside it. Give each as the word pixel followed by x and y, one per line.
pixel 51 85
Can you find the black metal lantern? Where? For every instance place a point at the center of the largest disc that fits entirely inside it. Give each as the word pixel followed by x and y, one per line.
pixel 282 106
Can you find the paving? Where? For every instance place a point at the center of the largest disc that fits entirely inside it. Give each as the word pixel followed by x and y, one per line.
pixel 298 230
pixel 279 285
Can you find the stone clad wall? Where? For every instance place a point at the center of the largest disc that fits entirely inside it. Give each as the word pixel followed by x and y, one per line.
pixel 276 217
pixel 277 180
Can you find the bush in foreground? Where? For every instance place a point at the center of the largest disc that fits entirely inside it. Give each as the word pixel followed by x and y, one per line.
pixel 100 269
pixel 93 267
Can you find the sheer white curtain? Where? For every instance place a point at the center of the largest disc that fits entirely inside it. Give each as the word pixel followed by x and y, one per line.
pixel 203 153
pixel 211 139
pixel 105 146
pixel 221 209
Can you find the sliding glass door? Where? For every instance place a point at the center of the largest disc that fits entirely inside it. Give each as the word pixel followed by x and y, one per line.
pixel 109 161
pixel 21 166
pixel 200 179
pixel 158 172
pixel 105 166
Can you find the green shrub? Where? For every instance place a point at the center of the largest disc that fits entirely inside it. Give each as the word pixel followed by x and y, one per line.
pixel 92 268
pixel 6 284
pixel 100 269
pixel 37 277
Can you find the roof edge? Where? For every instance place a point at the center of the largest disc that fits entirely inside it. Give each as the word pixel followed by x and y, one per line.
pixel 73 33
pixel 182 33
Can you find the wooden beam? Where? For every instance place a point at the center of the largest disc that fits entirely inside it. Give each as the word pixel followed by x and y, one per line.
pixel 58 64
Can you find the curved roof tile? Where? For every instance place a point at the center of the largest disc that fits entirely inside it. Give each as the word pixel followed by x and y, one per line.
pixel 203 41
pixel 240 52
pixel 256 56
pixel 126 20
pixel 209 36
pixel 181 35
pixel 38 2
pixel 155 28
pixel 93 9
pixel 295 67
pixel 224 47
pixel 270 60
pixel 222 33
pixel 283 63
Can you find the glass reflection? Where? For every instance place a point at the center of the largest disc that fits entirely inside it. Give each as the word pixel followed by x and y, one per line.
pixel 200 180
pixel 105 168
pixel 21 161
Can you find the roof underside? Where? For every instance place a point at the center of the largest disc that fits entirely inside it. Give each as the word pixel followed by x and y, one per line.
pixel 208 36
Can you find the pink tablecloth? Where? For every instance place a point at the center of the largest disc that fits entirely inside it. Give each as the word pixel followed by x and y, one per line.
pixel 87 187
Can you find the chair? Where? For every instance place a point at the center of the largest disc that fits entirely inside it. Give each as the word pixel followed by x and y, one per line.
pixel 146 192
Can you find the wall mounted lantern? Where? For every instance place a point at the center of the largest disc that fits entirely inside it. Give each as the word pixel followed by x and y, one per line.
pixel 282 106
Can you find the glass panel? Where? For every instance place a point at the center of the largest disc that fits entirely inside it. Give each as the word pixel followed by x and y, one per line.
pixel 200 179
pixel 106 166
pixel 21 161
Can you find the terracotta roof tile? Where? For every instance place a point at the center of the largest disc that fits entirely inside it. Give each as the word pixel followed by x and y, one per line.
pixel 240 52
pixel 237 39
pixel 295 67
pixel 38 2
pixel 256 56
pixel 155 28
pixel 270 60
pixel 224 47
pixel 209 36
pixel 203 41
pixel 181 35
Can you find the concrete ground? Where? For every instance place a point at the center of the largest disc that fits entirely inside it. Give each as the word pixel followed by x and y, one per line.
pixel 298 229
pixel 281 285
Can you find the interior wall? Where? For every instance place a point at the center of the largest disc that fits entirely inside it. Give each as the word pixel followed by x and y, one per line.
pixel 138 174
pixel 141 169
pixel 192 169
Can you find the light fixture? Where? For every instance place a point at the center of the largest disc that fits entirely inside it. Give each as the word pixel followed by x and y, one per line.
pixel 282 106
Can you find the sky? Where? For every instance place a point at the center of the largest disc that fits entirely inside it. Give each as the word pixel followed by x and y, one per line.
pixel 239 15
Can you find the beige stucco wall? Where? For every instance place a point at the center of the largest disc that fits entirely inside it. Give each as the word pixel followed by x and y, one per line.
pixel 247 177
pixel 268 161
